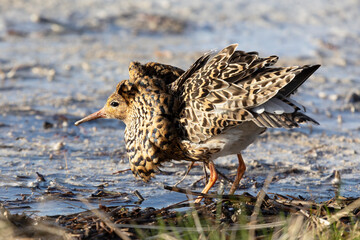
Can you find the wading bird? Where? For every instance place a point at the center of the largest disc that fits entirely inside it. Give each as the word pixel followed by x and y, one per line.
pixel 216 108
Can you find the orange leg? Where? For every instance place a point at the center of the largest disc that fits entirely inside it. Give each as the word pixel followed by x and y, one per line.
pixel 240 172
pixel 211 182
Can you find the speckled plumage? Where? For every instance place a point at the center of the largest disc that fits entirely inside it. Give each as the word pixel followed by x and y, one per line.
pixel 216 108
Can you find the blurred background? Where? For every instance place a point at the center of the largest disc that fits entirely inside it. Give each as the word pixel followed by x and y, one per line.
pixel 59 60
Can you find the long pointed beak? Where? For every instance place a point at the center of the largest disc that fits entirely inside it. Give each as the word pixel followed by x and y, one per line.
pixel 93 116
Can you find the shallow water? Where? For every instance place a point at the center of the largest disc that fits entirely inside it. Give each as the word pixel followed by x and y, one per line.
pixel 55 76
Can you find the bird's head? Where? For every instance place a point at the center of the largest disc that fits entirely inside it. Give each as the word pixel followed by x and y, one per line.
pixel 115 107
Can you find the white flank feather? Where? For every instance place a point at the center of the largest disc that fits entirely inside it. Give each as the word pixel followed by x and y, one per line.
pixel 275 106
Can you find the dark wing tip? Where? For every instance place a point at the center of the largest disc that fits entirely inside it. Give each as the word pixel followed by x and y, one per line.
pixel 299 79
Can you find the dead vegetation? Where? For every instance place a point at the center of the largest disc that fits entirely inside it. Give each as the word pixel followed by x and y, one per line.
pixel 265 216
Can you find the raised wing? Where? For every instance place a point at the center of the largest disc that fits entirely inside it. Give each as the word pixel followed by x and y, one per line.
pixel 232 87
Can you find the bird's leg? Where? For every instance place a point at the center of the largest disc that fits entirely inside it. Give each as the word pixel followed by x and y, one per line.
pixel 240 172
pixel 211 182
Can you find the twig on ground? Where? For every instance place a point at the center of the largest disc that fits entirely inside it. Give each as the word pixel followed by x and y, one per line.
pixel 193 184
pixel 206 195
pixel 342 213
pixel 121 171
pixel 105 219
pixel 186 173
pixel 259 201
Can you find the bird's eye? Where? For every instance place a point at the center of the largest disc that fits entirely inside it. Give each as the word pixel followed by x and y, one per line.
pixel 114 104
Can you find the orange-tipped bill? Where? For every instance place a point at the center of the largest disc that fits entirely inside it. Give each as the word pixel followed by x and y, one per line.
pixel 93 116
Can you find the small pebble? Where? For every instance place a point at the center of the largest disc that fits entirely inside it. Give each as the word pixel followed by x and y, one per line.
pixel 33 184
pixel 337 178
pixel 349 152
pixel 35 18
pixel 339 119
pixel 47 125
pixel 65 124
pixel 52 184
pixel 322 95
pixel 58 146
pixel 68 67
pixel 353 97
pixel 328 114
pixel 334 97
pixel 50 75
pixel 352 109
pixel 85 66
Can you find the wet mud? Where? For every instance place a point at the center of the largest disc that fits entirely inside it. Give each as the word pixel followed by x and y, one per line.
pixel 60 61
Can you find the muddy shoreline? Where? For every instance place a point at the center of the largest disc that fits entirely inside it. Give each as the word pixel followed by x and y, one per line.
pixel 59 62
